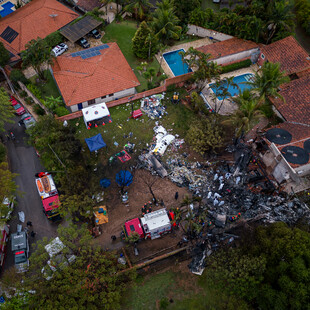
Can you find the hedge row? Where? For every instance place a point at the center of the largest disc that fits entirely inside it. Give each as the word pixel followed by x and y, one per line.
pixel 302 8
pixel 237 65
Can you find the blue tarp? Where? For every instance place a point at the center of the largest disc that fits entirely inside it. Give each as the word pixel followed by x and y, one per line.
pixel 95 143
pixel 124 178
pixel 105 183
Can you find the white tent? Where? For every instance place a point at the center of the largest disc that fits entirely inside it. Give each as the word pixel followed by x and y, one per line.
pixel 95 112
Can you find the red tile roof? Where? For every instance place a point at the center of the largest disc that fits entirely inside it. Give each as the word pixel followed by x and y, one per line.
pixel 288 52
pixel 296 107
pixel 34 20
pixel 89 5
pixel 227 47
pixel 80 80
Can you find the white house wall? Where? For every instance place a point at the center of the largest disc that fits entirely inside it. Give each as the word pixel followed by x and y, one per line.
pixel 118 95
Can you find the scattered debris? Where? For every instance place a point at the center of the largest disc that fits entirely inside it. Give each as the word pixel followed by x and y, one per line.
pixel 152 106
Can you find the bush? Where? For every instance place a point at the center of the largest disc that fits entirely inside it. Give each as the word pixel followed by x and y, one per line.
pixel 302 8
pixel 17 75
pixel 171 88
pixel 35 90
pixel 38 110
pixel 2 152
pixel 237 65
pixel 61 111
pixel 53 39
pixel 29 100
pixel 23 94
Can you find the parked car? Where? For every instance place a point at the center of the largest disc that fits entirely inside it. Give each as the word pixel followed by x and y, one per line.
pixel 27 120
pixel 84 43
pixel 95 33
pixel 19 109
pixel 60 49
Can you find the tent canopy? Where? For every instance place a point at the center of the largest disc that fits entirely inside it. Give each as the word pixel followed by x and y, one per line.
pixel 124 178
pixel 94 112
pixel 95 143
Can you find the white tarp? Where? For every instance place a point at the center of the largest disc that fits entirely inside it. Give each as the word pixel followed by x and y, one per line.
pixel 95 112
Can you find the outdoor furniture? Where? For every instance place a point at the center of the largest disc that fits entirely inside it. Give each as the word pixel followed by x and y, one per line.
pixel 137 114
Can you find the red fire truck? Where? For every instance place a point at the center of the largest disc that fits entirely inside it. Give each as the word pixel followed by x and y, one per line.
pixel 152 225
pixel 4 236
pixel 49 195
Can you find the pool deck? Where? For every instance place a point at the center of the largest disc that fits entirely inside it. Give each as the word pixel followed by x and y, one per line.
pixel 14 2
pixel 185 46
pixel 228 106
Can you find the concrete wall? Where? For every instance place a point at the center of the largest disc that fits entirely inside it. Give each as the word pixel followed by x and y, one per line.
pixel 235 57
pixel 203 32
pixel 116 96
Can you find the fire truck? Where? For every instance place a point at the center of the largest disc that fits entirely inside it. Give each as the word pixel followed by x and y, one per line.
pixel 49 195
pixel 152 225
pixel 4 231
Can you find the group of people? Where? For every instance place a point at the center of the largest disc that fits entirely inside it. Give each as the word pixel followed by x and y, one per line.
pixel 32 234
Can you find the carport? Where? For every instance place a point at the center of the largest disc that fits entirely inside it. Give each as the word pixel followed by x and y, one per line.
pixel 80 29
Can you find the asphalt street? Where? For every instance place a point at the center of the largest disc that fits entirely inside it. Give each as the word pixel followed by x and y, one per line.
pixel 24 161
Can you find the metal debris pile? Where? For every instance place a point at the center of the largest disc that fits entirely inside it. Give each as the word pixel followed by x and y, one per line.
pixel 153 107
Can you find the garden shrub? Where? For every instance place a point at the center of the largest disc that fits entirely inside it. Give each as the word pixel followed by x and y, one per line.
pixel 17 75
pixel 29 100
pixel 61 111
pixel 237 65
pixel 23 94
pixel 171 88
pixel 39 110
pixel 53 39
pixel 35 90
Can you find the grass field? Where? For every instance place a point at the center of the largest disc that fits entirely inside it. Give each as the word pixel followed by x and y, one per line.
pixel 210 4
pixel 179 119
pixel 122 33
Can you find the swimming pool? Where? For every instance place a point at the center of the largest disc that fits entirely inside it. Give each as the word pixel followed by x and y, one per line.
pixel 239 80
pixel 175 63
pixel 6 8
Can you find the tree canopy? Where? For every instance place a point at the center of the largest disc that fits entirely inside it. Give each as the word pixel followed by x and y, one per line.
pixel 92 281
pixel 4 55
pixel 36 54
pixel 6 110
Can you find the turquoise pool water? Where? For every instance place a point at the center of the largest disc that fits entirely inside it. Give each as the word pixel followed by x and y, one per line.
pixel 174 61
pixel 240 80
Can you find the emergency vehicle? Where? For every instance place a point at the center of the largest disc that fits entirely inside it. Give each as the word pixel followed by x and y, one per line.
pixel 152 225
pixel 49 195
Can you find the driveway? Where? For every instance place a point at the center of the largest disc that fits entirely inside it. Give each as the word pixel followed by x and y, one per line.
pixel 24 161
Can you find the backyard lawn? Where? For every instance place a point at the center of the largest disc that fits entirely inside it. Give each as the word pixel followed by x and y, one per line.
pixel 210 4
pixel 179 119
pixel 122 33
pixel 48 88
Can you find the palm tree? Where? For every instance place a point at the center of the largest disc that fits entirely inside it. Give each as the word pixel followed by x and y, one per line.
pixel 248 112
pixel 267 81
pixel 204 69
pixel 138 7
pixel 222 87
pixel 279 15
pixel 165 22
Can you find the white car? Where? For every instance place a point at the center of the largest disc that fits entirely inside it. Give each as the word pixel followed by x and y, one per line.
pixel 60 49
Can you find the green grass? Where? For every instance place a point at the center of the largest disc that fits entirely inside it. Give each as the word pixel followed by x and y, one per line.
pixel 210 4
pixel 179 118
pixel 48 88
pixel 122 33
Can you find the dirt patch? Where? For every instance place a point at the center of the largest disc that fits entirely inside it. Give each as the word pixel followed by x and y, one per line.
pixel 139 194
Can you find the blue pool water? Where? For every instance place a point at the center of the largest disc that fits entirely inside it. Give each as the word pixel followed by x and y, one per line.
pixel 174 61
pixel 240 81
pixel 7 9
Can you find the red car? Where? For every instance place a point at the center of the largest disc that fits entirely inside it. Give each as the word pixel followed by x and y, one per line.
pixel 19 109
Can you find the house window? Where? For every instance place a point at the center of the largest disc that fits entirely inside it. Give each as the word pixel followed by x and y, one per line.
pixel 263 56
pixel 91 101
pixel 103 97
pixel 110 95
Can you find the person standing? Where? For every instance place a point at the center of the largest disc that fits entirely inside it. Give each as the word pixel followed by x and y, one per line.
pixel 176 196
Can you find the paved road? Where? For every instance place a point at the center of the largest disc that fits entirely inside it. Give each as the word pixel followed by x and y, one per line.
pixel 24 161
